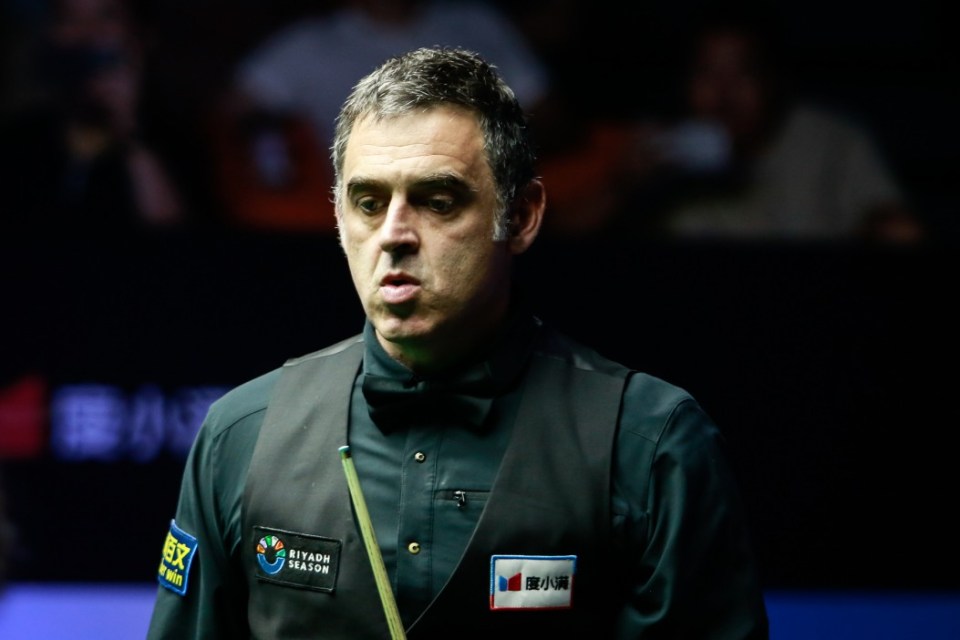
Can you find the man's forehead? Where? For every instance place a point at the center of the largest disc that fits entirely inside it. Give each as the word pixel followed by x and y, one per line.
pixel 439 140
pixel 419 122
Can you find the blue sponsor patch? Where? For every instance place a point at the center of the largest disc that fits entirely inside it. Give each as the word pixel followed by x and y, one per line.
pixel 178 551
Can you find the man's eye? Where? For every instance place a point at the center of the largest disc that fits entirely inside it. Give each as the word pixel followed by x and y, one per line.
pixel 367 205
pixel 440 204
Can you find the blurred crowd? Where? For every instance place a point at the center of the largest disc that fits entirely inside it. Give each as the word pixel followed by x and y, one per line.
pixel 699 121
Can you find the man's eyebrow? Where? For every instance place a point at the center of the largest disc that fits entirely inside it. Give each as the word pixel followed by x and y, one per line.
pixel 443 180
pixel 364 184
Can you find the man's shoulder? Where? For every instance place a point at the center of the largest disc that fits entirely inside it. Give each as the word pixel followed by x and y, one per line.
pixel 252 397
pixel 657 396
pixel 555 344
pixel 246 399
pixel 332 350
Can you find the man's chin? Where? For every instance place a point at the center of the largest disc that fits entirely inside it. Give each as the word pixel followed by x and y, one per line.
pixel 400 330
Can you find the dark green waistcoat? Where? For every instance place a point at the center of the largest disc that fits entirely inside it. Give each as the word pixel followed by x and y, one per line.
pixel 551 497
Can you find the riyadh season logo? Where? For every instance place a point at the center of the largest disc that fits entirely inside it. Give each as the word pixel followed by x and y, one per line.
pixel 271 554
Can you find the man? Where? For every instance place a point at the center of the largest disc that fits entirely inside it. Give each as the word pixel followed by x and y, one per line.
pixel 517 482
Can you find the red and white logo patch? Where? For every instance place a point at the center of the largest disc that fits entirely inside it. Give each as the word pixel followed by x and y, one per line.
pixel 531 582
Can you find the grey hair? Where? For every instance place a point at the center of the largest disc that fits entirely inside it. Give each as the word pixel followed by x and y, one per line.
pixel 435 76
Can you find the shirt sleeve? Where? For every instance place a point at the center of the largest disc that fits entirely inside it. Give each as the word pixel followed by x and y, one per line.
pixel 209 601
pixel 676 505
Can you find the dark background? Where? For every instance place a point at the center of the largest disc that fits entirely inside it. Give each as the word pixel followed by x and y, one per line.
pixel 829 367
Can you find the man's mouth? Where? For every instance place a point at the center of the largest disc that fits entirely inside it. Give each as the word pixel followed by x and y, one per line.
pixel 398 288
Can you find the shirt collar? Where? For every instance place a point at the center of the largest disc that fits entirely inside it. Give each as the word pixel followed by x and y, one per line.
pixel 395 394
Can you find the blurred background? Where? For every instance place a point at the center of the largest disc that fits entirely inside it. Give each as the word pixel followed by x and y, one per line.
pixel 756 201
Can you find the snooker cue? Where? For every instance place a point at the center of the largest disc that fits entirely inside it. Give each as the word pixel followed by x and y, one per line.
pixel 373 549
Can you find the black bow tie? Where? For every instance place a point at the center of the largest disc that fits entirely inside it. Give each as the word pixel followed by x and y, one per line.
pixel 396 402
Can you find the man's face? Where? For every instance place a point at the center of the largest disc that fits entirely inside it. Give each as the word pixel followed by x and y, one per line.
pixel 417 227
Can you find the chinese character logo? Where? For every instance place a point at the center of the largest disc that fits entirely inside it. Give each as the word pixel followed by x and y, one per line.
pixel 179 547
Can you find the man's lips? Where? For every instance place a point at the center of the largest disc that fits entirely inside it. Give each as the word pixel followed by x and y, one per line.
pixel 397 288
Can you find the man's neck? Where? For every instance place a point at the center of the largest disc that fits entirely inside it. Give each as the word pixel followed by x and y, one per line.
pixel 448 350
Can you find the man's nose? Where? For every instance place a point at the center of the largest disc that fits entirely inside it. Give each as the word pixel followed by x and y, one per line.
pixel 398 230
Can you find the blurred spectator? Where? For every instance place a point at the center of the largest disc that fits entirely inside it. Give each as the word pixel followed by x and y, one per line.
pixel 737 154
pixel 272 133
pixel 750 159
pixel 79 155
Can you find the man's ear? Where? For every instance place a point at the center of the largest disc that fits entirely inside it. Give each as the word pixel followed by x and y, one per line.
pixel 526 217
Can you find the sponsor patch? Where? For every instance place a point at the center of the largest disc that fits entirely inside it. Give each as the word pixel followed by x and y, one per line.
pixel 531 582
pixel 178 551
pixel 296 560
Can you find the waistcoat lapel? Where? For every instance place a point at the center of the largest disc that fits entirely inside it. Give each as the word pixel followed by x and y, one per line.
pixel 296 492
pixel 551 498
